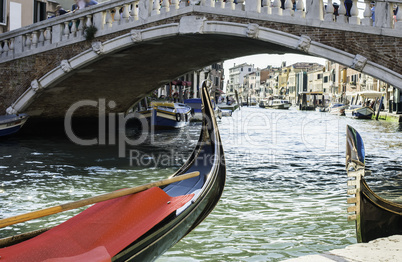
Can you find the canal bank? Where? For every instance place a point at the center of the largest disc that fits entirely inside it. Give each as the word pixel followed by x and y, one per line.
pixel 392 117
pixel 382 249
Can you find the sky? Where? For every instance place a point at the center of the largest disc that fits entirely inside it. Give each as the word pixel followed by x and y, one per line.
pixel 263 60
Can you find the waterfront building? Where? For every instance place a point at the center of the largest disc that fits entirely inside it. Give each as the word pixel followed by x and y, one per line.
pixel 314 79
pixel 251 86
pixel 19 13
pixel 236 78
pixel 295 85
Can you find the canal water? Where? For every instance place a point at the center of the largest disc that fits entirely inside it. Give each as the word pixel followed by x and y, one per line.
pixel 285 194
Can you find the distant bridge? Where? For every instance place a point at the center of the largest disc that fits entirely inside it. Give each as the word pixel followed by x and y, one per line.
pixel 140 45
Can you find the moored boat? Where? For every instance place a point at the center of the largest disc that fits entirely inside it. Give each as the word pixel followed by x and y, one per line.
pixel 364 112
pixel 10 124
pixel 167 114
pixel 375 217
pixel 137 227
pixel 278 104
pixel 337 109
pixel 322 109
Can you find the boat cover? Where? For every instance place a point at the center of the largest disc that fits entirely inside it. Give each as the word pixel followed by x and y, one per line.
pixel 99 232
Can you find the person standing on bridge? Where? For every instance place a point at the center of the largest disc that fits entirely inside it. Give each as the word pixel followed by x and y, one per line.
pixel 348 6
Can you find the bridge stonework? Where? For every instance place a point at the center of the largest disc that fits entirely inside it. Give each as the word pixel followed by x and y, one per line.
pixel 173 46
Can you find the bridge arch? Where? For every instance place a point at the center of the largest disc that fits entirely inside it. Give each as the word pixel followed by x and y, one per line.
pixel 189 44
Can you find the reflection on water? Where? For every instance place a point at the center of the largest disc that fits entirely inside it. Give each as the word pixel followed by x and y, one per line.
pixel 285 194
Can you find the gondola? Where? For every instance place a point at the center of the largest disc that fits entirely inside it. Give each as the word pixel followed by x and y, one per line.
pixel 375 217
pixel 183 205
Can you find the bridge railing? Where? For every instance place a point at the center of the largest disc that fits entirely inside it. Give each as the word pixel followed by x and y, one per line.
pixel 118 15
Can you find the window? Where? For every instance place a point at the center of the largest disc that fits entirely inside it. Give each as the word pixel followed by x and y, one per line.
pixel 3 8
pixel 39 11
pixel 319 76
pixel 325 79
pixel 241 69
pixel 249 69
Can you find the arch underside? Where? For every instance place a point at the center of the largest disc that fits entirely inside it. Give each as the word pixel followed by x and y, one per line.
pixel 127 68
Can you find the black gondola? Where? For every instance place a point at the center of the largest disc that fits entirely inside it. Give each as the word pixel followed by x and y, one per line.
pixel 375 217
pixel 201 195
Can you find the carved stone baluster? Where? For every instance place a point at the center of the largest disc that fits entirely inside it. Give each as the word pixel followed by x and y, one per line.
pixel 354 12
pixel 276 8
pixel 221 4
pixel 175 4
pixel 89 21
pixel 329 12
pixel 134 10
pixel 230 5
pixel 74 28
pixel 288 8
pixel 165 6
pixel 367 14
pixel 66 31
pixel 109 19
pixel 117 16
pixel 81 26
pixel 48 36
pixel 11 47
pixel 41 39
pixel 5 48
pixel 398 24
pixel 156 8
pixel 126 14
pixel 266 7
pixel 342 13
pixel 28 41
pixel 35 39
pixel 300 9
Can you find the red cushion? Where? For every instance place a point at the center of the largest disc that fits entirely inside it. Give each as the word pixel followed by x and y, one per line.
pixel 99 232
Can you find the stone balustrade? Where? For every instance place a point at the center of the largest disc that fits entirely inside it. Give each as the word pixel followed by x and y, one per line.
pixel 118 15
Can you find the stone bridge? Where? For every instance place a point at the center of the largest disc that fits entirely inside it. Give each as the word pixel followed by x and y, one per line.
pixel 47 67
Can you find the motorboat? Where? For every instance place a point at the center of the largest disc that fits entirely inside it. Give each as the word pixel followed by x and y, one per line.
pixel 11 124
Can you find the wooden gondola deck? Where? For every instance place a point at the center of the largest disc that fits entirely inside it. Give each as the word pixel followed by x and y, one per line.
pixel 383 249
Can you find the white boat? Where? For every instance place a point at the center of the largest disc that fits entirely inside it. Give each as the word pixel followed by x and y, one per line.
pixel 364 112
pixel 322 109
pixel 278 104
pixel 337 109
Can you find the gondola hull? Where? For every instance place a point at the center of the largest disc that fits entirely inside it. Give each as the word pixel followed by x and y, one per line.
pixel 172 229
pixel 378 217
pixel 375 217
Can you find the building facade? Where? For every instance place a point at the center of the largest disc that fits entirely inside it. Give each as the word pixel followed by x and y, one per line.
pixel 19 13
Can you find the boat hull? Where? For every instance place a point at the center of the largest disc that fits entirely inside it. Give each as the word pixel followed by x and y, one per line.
pixel 374 216
pixel 281 106
pixel 378 217
pixel 363 113
pixel 12 124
